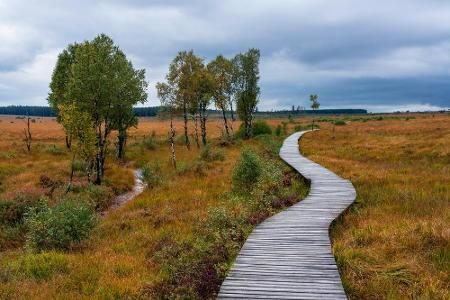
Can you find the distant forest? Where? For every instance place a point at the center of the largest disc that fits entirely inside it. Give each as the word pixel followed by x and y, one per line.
pixel 45 111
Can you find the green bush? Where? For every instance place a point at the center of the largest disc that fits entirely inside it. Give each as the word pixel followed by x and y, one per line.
pixel 99 196
pixel 278 130
pixel 151 174
pixel 259 127
pixel 59 227
pixel 247 170
pixel 208 154
pixel 339 122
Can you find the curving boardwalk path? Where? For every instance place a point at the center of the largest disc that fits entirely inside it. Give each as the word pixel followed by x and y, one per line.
pixel 288 256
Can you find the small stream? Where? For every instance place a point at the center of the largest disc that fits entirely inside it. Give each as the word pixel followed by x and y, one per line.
pixel 120 200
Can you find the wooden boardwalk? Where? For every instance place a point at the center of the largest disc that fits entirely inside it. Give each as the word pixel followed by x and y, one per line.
pixel 288 256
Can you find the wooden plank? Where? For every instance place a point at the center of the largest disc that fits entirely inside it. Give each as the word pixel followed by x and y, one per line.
pixel 288 256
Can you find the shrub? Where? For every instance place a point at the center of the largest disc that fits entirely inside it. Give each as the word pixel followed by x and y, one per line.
pixel 278 130
pixel 99 196
pixel 339 123
pixel 59 227
pixel 247 170
pixel 208 154
pixel 151 174
pixel 259 127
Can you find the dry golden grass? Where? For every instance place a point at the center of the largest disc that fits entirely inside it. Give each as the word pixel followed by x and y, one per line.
pixel 395 241
pixel 117 260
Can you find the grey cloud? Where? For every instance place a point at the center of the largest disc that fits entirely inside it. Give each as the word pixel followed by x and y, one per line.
pixel 353 53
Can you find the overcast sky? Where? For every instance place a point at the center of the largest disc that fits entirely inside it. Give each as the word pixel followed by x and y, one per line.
pixel 381 55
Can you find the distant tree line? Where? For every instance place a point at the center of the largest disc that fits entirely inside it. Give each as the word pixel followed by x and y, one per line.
pixel 47 111
pixel 152 111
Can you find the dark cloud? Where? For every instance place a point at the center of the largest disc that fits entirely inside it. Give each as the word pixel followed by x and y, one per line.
pixel 383 55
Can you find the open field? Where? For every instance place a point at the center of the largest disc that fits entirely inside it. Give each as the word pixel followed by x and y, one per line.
pixel 122 258
pixel 394 242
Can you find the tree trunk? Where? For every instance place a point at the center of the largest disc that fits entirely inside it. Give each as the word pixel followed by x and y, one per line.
pixel 172 144
pixel 68 141
pixel 121 142
pixel 195 119
pixel 71 173
pixel 225 123
pixel 248 126
pixel 186 137
pixel 100 156
pixel 203 124
pixel 232 115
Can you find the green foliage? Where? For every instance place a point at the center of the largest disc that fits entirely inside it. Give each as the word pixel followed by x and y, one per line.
pixel 109 106
pixel 151 174
pixel 99 196
pixel 209 155
pixel 314 102
pixel 259 127
pixel 195 267
pixel 246 66
pixel 339 123
pixel 278 130
pixel 247 170
pixel 59 227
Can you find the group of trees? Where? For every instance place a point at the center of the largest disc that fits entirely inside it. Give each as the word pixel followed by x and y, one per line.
pixel 192 85
pixel 93 90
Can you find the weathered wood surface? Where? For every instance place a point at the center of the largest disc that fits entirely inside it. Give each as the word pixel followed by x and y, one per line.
pixel 289 256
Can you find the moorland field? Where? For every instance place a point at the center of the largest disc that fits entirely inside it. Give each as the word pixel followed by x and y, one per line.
pixel 180 236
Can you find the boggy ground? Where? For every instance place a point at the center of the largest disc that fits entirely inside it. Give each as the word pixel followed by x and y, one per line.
pixel 394 242
pixel 134 250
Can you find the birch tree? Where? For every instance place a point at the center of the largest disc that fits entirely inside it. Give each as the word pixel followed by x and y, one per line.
pixel 247 87
pixel 168 98
pixel 221 70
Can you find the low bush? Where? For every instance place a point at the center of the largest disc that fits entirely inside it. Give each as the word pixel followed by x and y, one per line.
pixel 339 122
pixel 247 170
pixel 195 267
pixel 209 155
pixel 151 174
pixel 59 227
pixel 259 127
pixel 99 196
pixel 278 130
